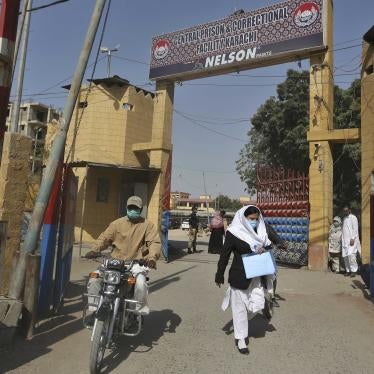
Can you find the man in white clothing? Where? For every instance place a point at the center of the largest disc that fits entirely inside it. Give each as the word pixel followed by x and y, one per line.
pixel 350 242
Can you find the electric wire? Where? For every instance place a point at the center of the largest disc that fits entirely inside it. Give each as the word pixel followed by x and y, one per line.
pixel 57 2
pixel 208 128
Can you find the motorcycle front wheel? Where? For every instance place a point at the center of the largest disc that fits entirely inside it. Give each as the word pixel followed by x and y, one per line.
pixel 99 341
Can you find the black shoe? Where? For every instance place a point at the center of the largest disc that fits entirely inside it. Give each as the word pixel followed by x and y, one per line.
pixel 189 251
pixel 89 321
pixel 353 275
pixel 243 351
pixel 194 251
pixel 347 274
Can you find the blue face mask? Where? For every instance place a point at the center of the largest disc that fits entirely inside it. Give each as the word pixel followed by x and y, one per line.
pixel 133 214
pixel 253 223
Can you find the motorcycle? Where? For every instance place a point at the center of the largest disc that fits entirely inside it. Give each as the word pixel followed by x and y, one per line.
pixel 117 313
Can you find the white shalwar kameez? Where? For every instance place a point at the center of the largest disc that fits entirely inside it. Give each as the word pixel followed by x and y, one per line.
pixel 244 305
pixel 349 252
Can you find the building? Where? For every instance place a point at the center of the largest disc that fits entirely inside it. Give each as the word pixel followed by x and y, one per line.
pixel 203 203
pixel 34 118
pixel 109 146
pixel 175 196
pixel 246 200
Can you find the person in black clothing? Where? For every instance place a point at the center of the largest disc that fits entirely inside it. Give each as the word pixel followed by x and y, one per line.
pixel 246 234
pixel 194 227
pixel 217 233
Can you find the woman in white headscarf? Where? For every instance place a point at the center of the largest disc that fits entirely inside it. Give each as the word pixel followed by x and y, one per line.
pixel 335 245
pixel 246 234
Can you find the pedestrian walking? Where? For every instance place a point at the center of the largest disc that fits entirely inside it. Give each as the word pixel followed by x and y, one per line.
pixel 350 242
pixel 335 245
pixel 217 233
pixel 246 234
pixel 192 232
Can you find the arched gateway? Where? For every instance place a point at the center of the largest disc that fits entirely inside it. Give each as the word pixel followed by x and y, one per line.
pixel 280 33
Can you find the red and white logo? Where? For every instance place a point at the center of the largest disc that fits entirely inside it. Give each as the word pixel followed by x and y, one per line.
pixel 306 14
pixel 161 49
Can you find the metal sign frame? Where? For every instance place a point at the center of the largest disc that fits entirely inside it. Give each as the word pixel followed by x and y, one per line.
pixel 295 30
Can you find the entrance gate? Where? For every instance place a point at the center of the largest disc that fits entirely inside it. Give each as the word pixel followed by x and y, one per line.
pixel 288 31
pixel 283 196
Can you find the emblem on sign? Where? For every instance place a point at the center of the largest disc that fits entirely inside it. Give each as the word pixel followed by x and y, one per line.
pixel 161 50
pixel 306 14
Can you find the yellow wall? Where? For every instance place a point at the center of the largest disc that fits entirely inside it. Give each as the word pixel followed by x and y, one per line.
pixel 98 215
pixel 106 131
pixel 367 146
pixel 138 126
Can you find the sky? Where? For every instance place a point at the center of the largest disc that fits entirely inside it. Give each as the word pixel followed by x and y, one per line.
pixel 223 104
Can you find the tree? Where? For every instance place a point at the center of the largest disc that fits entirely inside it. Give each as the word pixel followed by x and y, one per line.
pixel 225 203
pixel 278 135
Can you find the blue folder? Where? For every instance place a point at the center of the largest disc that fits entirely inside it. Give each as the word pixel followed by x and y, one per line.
pixel 258 264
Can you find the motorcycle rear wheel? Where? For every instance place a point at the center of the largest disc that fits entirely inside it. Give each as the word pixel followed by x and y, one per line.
pixel 98 346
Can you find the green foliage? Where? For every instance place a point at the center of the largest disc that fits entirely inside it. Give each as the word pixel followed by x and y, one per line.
pixel 278 136
pixel 227 204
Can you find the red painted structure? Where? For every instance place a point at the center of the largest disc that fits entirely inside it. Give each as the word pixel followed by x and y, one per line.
pixel 283 196
pixel 8 32
pixel 281 192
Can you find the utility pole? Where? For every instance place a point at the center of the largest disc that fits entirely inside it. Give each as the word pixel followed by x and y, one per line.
pixel 109 51
pixel 8 31
pixel 14 119
pixel 206 200
pixel 55 157
pixel 19 35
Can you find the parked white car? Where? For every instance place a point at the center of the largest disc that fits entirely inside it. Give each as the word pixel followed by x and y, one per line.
pixel 185 225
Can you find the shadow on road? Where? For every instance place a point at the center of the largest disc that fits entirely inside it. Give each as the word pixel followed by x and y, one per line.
pixel 48 332
pixel 357 284
pixel 156 325
pixel 178 249
pixel 171 278
pixel 257 327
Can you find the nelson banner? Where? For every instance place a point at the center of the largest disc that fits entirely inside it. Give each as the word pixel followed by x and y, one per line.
pixel 275 34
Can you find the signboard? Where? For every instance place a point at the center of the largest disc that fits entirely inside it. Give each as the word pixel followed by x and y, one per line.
pixel 275 34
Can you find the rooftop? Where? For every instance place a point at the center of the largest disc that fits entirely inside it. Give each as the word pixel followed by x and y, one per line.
pixel 114 81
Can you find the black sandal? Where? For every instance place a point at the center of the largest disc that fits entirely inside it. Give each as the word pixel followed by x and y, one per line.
pixel 243 351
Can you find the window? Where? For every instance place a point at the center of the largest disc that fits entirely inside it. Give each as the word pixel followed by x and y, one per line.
pixel 41 116
pixel 102 195
pixel 127 106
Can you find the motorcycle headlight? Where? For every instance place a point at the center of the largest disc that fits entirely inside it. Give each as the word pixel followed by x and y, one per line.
pixel 112 277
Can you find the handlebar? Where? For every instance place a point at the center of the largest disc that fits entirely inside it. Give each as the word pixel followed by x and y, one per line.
pixel 98 258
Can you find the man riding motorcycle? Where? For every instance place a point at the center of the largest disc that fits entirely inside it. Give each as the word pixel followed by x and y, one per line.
pixel 132 238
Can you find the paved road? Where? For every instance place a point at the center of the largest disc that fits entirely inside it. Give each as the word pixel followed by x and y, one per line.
pixel 324 324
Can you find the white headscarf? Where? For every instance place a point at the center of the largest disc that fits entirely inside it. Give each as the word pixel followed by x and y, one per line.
pixel 241 228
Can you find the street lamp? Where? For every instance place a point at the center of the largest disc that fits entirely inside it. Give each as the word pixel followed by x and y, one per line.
pixel 108 52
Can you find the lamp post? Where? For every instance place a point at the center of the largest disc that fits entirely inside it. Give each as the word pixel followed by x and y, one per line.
pixel 108 52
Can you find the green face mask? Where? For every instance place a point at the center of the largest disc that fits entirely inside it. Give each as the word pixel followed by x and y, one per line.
pixel 133 214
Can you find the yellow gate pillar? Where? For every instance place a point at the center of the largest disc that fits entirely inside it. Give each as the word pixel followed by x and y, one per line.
pixel 321 164
pixel 367 142
pixel 161 146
